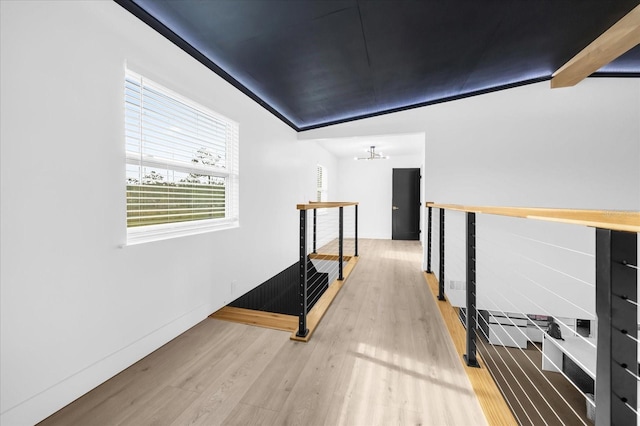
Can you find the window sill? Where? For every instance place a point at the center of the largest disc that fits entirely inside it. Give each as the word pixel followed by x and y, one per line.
pixel 153 233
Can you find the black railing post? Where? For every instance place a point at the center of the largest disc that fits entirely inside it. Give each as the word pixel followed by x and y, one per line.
pixel 470 356
pixel 441 277
pixel 302 318
pixel 429 271
pixel 315 228
pixel 616 310
pixel 340 239
pixel 356 232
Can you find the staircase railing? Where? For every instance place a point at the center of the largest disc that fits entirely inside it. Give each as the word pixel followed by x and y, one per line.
pixel 614 282
pixel 327 246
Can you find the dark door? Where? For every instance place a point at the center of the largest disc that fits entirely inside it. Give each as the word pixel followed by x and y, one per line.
pixel 405 215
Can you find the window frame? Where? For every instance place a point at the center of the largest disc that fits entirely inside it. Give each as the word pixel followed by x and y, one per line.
pixel 229 172
pixel 322 183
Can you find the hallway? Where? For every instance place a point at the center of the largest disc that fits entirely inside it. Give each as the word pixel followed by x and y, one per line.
pixel 381 356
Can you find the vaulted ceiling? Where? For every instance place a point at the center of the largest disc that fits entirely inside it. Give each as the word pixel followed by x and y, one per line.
pixel 314 63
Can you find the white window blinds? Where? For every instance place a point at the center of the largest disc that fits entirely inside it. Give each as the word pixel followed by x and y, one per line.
pixel 322 186
pixel 181 162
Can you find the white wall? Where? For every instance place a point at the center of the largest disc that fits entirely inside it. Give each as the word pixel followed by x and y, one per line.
pixel 75 307
pixel 370 183
pixel 529 146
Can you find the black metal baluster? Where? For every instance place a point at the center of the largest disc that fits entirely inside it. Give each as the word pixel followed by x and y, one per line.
pixel 340 240
pixel 302 318
pixel 356 228
pixel 441 277
pixel 315 228
pixel 470 356
pixel 429 212
pixel 617 352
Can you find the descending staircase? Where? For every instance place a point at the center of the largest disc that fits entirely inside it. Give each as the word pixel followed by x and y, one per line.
pixel 280 294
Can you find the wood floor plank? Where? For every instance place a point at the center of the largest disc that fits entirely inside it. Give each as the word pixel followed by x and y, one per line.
pixel 493 404
pixel 122 394
pixel 382 356
pixel 387 370
pixel 166 405
pixel 351 411
pixel 248 415
pixel 196 376
pixel 310 398
pixel 227 386
pixel 191 375
pixel 272 388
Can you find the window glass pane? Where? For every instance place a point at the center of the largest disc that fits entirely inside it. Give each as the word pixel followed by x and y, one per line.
pixel 166 196
pixel 181 158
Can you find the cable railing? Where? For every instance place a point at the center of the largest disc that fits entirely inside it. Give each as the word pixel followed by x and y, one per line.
pixel 328 247
pixel 549 307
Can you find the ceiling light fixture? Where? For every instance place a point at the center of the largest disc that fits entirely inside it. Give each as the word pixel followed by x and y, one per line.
pixel 373 155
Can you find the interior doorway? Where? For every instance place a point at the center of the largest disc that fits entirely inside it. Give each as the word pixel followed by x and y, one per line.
pixel 405 215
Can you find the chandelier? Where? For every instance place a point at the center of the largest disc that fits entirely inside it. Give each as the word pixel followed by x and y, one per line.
pixel 373 155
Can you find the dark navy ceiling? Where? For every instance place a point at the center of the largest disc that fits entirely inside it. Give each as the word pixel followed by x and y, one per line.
pixel 318 62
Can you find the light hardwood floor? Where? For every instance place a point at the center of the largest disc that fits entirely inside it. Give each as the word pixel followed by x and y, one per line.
pixel 381 356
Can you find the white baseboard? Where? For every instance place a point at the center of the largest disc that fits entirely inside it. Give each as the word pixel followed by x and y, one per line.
pixel 48 401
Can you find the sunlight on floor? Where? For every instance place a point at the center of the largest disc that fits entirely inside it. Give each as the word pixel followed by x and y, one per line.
pixel 397 256
pixel 398 251
pixel 389 388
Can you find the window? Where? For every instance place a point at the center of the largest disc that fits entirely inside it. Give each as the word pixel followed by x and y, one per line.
pixel 323 187
pixel 181 164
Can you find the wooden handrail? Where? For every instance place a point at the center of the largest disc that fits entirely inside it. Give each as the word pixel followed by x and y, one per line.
pixel 617 220
pixel 325 205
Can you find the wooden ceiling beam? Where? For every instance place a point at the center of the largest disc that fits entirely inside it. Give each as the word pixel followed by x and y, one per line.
pixel 623 36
